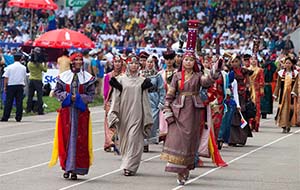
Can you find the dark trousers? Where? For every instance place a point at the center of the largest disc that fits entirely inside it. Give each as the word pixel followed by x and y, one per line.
pixel 35 85
pixel 14 92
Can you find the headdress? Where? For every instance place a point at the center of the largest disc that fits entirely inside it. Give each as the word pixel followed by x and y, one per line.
pixel 190 47
pixel 75 55
pixel 132 58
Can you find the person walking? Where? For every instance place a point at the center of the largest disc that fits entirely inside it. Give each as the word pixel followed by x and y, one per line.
pixel 14 82
pixel 257 83
pixel 73 133
pixel 109 144
pixel 283 92
pixel 167 75
pixel 184 111
pixel 157 95
pixel 130 114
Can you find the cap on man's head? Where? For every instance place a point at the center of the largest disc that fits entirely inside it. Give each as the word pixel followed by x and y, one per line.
pixel 169 54
pixel 143 54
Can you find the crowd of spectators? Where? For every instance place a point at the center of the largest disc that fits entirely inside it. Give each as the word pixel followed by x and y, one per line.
pixel 161 23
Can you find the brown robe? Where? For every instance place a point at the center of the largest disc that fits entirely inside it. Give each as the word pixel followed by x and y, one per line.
pixel 183 135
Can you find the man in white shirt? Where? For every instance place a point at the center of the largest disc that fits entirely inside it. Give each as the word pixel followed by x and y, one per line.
pixel 14 82
pixel 71 15
pixel 61 17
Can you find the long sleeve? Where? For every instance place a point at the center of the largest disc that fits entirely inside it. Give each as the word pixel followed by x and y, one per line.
pixel 235 93
pixel 170 97
pixel 207 81
pixel 89 93
pixel 60 92
pixel 106 86
pixel 113 115
pixel 277 88
pixel 295 90
pixel 261 81
pixel 171 94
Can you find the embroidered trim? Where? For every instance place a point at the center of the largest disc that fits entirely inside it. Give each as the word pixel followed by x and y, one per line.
pixel 175 159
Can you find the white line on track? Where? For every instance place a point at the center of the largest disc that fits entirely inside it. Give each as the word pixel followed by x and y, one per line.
pixel 36 145
pixel 35 166
pixel 23 169
pixel 26 147
pixel 29 132
pixel 103 175
pixel 33 118
pixel 37 131
pixel 235 159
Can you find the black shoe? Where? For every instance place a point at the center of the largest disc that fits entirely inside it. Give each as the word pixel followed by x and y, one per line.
pixel 220 144
pixel 264 116
pixel 42 113
pixel 146 148
pixel 4 120
pixel 73 176
pixel 284 130
pixel 288 130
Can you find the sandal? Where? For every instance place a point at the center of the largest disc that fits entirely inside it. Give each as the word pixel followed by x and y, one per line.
pixel 186 176
pixel 128 172
pixel 180 179
pixel 108 149
pixel 66 175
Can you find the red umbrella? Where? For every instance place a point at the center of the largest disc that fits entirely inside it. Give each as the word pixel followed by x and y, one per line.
pixel 64 38
pixel 33 4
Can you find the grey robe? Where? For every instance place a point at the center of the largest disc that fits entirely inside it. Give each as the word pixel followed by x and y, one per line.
pixel 130 114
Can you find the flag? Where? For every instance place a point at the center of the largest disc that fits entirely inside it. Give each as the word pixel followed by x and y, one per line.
pixel 243 121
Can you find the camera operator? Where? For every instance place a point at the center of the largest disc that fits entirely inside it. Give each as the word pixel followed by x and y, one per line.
pixel 36 67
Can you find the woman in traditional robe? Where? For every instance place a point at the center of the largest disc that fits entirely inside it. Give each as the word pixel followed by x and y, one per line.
pixel 257 83
pixel 267 100
pixel 167 75
pixel 130 114
pixel 285 83
pixel 184 112
pixel 157 98
pixel 238 136
pixel 109 144
pixel 231 103
pixel 73 133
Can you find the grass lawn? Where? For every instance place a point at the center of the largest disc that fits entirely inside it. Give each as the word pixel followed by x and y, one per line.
pixel 52 105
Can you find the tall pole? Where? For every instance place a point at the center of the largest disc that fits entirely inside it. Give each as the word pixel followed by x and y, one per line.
pixel 31 22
